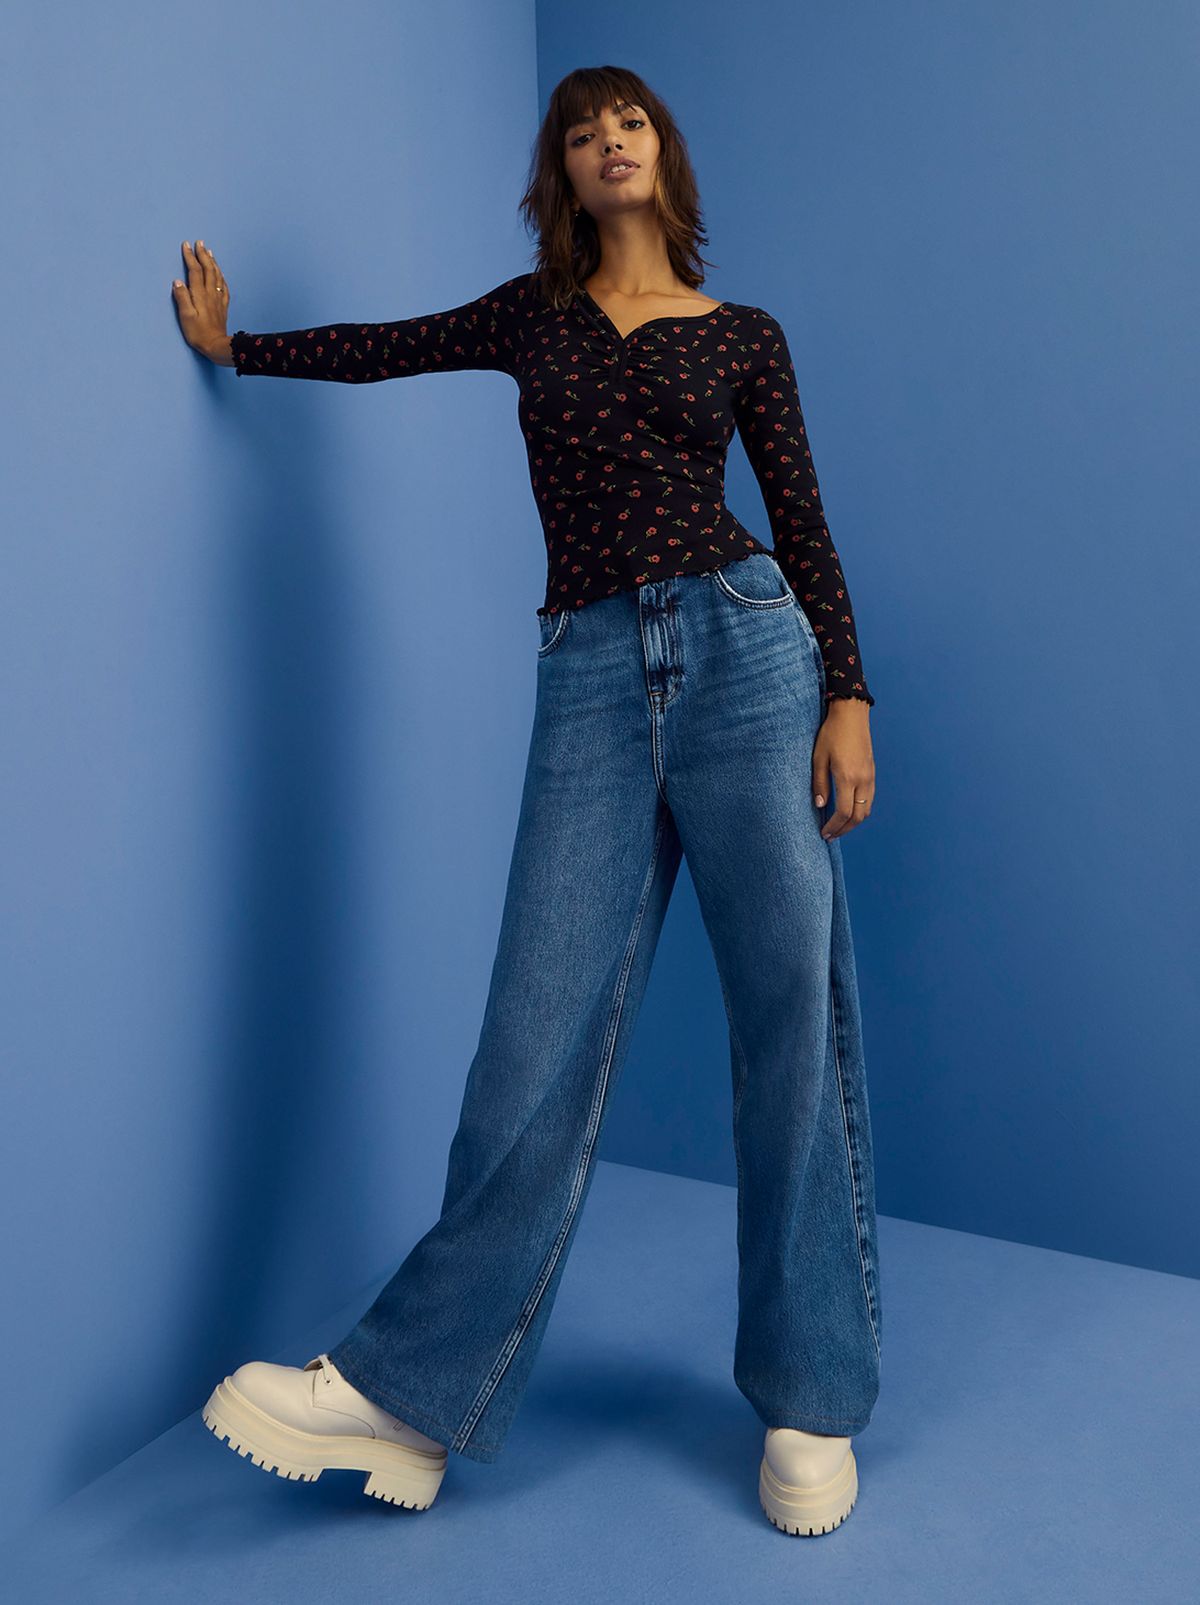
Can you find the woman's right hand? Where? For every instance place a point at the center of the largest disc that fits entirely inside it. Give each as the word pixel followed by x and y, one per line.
pixel 203 305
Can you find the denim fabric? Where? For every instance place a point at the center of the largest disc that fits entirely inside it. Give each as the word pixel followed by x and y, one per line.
pixel 675 719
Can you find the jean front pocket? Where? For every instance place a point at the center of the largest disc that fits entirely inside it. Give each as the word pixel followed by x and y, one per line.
pixel 756 582
pixel 552 627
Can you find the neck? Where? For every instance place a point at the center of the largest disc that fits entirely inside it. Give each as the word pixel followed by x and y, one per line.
pixel 633 259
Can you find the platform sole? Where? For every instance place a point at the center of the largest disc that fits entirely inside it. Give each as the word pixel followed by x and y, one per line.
pixel 808 1512
pixel 395 1472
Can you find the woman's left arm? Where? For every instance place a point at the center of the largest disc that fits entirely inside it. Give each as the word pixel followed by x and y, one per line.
pixel 770 422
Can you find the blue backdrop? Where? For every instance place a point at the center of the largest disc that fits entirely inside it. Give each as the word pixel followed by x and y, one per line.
pixel 269 666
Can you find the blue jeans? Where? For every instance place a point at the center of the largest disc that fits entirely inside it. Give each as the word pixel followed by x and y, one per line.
pixel 675 719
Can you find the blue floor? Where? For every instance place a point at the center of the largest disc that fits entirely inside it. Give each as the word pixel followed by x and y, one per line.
pixel 1037 1439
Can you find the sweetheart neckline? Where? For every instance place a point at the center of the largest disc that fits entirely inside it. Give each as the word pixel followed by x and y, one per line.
pixel 687 317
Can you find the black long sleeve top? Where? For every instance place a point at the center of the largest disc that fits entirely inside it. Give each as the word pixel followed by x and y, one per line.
pixel 626 438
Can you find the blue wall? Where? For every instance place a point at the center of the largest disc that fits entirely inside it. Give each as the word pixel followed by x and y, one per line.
pixel 268 676
pixel 269 663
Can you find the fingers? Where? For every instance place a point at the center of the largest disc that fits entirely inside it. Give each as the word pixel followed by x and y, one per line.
pixel 854 798
pixel 195 270
pixel 820 777
pixel 213 275
pixel 205 278
pixel 203 302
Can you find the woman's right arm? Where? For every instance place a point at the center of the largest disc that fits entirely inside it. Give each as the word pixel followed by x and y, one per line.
pixel 477 335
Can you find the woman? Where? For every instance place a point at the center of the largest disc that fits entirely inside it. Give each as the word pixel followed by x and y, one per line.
pixel 697 692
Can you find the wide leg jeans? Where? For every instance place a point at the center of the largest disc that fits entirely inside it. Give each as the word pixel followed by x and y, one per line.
pixel 674 720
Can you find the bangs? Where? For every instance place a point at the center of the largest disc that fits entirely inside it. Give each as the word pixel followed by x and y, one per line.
pixel 594 90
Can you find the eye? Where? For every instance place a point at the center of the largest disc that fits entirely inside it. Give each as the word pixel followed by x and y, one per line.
pixel 639 121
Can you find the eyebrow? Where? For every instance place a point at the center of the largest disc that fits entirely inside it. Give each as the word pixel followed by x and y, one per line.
pixel 586 122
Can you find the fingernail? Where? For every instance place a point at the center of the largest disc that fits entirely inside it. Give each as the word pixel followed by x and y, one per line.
pixel 820 802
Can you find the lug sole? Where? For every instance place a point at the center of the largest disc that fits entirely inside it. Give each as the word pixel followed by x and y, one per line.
pixel 396 1473
pixel 808 1512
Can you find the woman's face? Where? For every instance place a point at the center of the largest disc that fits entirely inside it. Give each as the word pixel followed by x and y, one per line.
pixel 619 134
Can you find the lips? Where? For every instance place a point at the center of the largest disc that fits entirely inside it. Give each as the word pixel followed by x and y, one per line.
pixel 626 163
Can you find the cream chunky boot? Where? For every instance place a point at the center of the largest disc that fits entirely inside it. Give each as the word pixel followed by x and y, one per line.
pixel 299 1422
pixel 807 1483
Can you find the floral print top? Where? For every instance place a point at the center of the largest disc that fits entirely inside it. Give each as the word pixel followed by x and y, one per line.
pixel 626 438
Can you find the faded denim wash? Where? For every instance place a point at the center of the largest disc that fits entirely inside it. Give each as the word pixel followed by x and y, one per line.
pixel 678 718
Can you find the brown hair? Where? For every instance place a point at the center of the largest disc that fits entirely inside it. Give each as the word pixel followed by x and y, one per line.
pixel 568 250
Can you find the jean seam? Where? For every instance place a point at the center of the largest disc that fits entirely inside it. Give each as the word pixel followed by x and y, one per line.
pixel 740 1060
pixel 752 601
pixel 852 1167
pixel 556 636
pixel 658 748
pixel 513 1341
